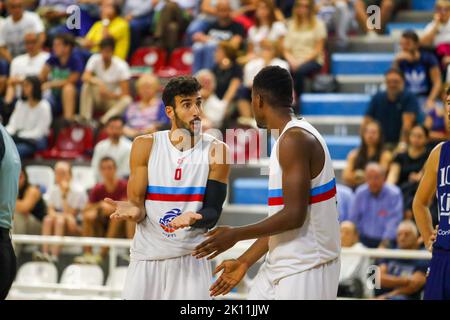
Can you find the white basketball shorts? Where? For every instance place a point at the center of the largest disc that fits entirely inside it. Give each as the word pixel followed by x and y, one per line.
pixel 181 278
pixel 319 283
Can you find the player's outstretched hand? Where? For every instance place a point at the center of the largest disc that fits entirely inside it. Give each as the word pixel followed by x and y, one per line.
pixel 233 272
pixel 124 210
pixel 185 220
pixel 219 240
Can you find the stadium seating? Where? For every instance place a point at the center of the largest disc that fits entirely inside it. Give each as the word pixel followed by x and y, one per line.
pixel 42 176
pixel 83 176
pixel 361 63
pixel 81 275
pixel 73 142
pixel 332 104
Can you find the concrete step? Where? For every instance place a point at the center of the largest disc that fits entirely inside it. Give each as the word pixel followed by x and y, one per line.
pixel 414 16
pixel 380 44
pixel 360 84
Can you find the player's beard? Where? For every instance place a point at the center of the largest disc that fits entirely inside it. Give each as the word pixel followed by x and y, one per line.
pixel 187 125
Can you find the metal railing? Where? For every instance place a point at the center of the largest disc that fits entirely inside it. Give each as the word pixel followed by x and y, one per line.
pixel 114 244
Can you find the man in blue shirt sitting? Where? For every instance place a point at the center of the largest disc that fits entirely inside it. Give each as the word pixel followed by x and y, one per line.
pixel 377 209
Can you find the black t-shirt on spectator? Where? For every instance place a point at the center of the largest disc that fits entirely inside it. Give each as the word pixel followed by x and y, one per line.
pixel 224 77
pixel 409 165
pixel 225 33
pixel 389 113
pixel 39 210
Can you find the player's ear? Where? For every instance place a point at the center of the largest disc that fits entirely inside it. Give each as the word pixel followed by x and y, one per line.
pixel 170 112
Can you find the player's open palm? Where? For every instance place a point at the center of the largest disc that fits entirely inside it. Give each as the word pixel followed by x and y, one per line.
pixel 233 272
pixel 185 220
pixel 124 210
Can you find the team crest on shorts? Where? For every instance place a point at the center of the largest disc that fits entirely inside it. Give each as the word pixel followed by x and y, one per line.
pixel 167 218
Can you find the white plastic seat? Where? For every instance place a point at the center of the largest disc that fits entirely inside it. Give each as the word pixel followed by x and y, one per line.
pixel 81 275
pixel 83 176
pixel 42 176
pixel 35 273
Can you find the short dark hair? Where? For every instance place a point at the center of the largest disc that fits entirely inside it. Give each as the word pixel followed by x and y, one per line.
pixel 107 42
pixel 107 158
pixel 179 86
pixel 395 70
pixel 67 38
pixel 115 118
pixel 275 85
pixel 36 91
pixel 411 34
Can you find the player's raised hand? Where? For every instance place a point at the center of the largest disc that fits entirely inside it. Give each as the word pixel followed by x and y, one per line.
pixel 124 210
pixel 219 240
pixel 184 220
pixel 233 272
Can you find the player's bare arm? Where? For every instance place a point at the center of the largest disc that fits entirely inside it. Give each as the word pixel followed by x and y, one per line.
pixel 299 166
pixel 134 208
pixel 424 195
pixel 219 171
pixel 235 269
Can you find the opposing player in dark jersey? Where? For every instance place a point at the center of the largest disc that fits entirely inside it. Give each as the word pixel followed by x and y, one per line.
pixel 436 181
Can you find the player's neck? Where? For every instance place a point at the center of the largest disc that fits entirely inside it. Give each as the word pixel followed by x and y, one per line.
pixel 179 142
pixel 278 120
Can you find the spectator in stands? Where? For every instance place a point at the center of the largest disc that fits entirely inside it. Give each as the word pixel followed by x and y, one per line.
pixel 228 73
pixel 406 169
pixel 207 17
pixel 115 146
pixel 345 198
pixel 377 209
pixel 396 109
pixel 30 209
pixel 30 63
pixel 213 108
pixel 225 29
pixel 371 150
pixel 148 114
pixel 304 43
pixel 421 70
pixel 387 9
pixel 96 222
pixel 437 32
pixel 66 201
pixel 105 84
pixel 139 14
pixel 338 16
pixel 16 25
pixel 269 56
pixel 170 22
pixel 436 121
pixel 111 25
pixel 30 122
pixel 403 279
pixel 353 274
pixel 53 14
pixel 61 75
pixel 266 28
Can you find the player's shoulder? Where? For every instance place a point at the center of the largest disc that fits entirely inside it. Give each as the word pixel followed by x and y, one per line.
pixel 436 151
pixel 214 141
pixel 297 136
pixel 143 143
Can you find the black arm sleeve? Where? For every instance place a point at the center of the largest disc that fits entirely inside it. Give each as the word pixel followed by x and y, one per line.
pixel 215 195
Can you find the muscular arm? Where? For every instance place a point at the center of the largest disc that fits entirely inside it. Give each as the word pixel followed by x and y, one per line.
pixel 389 281
pixel 295 164
pixel 138 181
pixel 424 195
pixel 255 252
pixel 134 208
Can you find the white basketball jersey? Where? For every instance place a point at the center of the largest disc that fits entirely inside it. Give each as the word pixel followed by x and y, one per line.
pixel 176 184
pixel 318 240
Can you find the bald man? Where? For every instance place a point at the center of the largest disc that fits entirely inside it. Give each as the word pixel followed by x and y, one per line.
pixel 403 279
pixel 377 209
